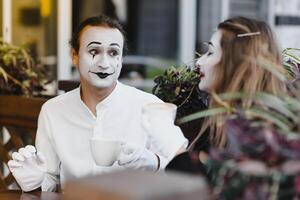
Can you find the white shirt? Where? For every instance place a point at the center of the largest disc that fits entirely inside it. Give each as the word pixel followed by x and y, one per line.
pixel 66 125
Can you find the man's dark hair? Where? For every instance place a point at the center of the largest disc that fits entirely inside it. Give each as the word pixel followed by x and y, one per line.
pixel 101 20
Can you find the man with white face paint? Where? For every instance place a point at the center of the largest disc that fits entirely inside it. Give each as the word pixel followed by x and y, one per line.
pixel 100 55
pixel 101 107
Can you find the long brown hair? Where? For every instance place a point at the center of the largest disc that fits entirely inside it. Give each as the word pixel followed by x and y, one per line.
pixel 241 67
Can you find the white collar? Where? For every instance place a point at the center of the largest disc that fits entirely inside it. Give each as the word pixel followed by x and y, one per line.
pixel 114 96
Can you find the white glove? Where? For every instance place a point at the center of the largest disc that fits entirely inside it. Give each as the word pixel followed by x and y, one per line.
pixel 136 157
pixel 166 137
pixel 28 168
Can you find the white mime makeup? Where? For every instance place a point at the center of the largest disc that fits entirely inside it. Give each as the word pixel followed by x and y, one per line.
pixel 207 62
pixel 99 59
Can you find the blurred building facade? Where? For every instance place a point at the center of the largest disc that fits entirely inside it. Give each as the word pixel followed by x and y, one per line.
pixel 168 30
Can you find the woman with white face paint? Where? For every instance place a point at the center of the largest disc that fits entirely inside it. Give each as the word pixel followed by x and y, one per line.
pixel 234 62
pixel 100 108
pixel 210 60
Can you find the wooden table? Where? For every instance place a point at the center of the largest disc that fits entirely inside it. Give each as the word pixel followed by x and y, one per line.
pixel 138 185
pixel 18 195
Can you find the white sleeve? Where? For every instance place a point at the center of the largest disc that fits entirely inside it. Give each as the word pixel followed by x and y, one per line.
pixel 44 143
pixel 167 144
pixel 165 140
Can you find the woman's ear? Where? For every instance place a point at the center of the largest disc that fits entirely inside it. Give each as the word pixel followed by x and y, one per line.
pixel 75 59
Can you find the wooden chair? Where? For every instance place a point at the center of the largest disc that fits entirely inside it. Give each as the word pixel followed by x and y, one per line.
pixel 18 116
pixel 67 85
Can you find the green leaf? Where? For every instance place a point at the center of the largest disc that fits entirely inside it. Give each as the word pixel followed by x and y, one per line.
pixel 277 104
pixel 177 90
pixel 26 84
pixel 23 77
pixel 4 74
pixel 290 69
pixel 269 116
pixel 202 114
pixel 7 59
pixel 293 103
pixel 270 67
pixel 294 57
pixel 265 99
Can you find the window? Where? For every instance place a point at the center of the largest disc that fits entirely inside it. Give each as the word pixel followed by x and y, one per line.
pixel 34 24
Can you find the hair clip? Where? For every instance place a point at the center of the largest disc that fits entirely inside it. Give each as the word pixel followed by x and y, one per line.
pixel 248 34
pixel 198 54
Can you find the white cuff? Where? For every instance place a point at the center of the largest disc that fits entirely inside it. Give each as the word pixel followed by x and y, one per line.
pixel 49 183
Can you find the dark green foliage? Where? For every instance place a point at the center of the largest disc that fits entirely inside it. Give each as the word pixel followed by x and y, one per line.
pixel 255 164
pixel 19 75
pixel 180 87
pixel 291 58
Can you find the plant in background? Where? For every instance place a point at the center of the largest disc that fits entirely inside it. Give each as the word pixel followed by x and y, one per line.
pixel 180 87
pixel 291 61
pixel 19 75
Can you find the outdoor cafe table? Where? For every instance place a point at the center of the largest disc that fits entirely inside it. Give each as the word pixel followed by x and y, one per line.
pixel 37 195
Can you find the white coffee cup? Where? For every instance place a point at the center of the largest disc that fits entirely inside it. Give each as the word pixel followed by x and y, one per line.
pixel 159 110
pixel 105 151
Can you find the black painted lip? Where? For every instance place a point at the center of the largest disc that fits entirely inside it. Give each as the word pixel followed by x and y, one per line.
pixel 102 75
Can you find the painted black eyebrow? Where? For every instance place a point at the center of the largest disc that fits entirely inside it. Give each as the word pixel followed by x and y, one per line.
pixel 115 44
pixel 94 43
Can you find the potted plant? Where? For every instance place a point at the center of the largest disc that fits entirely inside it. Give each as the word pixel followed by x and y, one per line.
pixel 21 82
pixel 180 87
pixel 19 74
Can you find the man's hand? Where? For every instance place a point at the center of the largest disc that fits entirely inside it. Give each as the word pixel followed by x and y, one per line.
pixel 28 168
pixel 136 157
